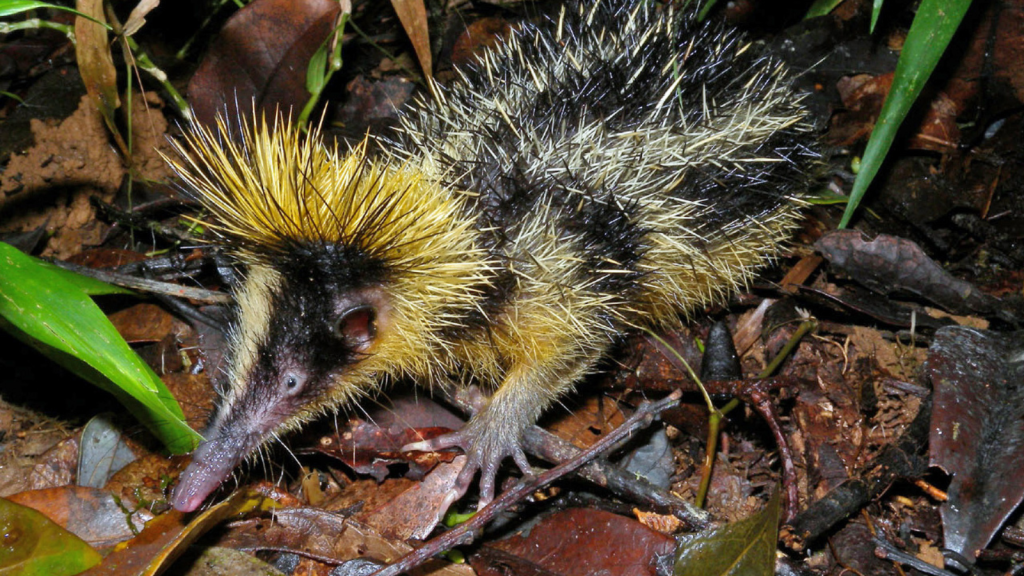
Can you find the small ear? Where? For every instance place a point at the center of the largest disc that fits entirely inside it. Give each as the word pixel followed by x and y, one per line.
pixel 358 327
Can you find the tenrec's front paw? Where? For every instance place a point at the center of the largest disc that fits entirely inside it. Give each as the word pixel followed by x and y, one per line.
pixel 486 447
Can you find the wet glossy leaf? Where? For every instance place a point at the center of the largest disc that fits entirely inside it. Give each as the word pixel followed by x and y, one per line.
pixel 976 434
pixel 744 548
pixel 35 545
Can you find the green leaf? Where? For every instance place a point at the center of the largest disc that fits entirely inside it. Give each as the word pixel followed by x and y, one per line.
pixel 705 8
pixel 929 35
pixel 35 545
pixel 50 309
pixel 12 7
pixel 90 286
pixel 825 198
pixel 821 8
pixel 744 548
pixel 12 96
pixel 876 9
pixel 316 72
pixel 322 65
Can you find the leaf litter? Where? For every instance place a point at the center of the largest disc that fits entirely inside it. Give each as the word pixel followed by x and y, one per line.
pixel 857 385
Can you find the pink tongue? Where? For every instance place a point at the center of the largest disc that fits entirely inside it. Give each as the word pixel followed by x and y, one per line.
pixel 212 463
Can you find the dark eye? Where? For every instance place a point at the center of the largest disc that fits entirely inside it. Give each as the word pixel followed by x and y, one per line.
pixel 357 327
pixel 292 382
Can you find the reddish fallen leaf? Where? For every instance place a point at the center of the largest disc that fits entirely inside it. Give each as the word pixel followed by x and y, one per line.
pixel 369 446
pixel 976 431
pixel 586 421
pixel 146 323
pixel 863 96
pixel 479 37
pixel 106 257
pixel 651 368
pixel 260 59
pixel 195 394
pixel 583 542
pixel 369 449
pixel 995 47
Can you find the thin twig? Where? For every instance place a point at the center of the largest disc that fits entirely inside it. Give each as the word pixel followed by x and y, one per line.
pixel 543 445
pixel 465 533
pixel 129 219
pixel 144 285
pixel 763 405
pixel 886 551
pixel 546 446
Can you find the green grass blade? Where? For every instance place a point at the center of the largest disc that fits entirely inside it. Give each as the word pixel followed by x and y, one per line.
pixel 12 7
pixel 876 9
pixel 51 310
pixel 930 33
pixel 705 9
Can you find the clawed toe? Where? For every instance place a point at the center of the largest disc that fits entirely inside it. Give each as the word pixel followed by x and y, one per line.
pixel 485 449
pixel 443 442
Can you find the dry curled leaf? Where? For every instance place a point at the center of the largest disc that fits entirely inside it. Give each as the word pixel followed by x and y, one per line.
pixel 889 264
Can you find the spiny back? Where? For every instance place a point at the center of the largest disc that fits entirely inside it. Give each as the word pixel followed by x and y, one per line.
pixel 666 154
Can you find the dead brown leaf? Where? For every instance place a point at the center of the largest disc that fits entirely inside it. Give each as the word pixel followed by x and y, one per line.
pixel 413 15
pixel 96 65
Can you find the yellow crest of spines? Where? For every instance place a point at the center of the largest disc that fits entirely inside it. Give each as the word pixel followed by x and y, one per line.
pixel 272 188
